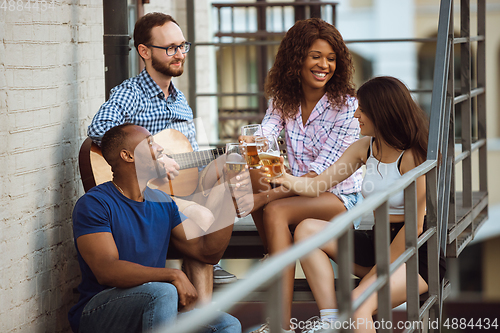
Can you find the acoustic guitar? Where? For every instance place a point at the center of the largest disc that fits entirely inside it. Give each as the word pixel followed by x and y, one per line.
pixel 95 170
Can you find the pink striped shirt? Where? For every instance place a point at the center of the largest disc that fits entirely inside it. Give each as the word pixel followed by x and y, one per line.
pixel 324 138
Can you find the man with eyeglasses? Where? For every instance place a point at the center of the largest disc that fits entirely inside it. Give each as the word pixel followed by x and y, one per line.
pixel 152 101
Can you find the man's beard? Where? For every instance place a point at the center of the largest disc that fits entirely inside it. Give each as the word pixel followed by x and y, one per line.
pixel 165 69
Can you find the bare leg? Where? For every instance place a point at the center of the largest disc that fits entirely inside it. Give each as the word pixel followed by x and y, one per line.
pixel 215 195
pixel 259 186
pixel 200 274
pixel 317 267
pixel 281 214
pixel 398 296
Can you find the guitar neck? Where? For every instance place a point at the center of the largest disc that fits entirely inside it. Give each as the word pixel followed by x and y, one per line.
pixel 197 158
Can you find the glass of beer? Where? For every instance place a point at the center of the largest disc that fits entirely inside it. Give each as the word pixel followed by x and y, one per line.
pixel 251 151
pixel 270 155
pixel 235 162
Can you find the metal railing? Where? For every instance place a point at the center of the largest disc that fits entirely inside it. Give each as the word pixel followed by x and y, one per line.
pixel 449 222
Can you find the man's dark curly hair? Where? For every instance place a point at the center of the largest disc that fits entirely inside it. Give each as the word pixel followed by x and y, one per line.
pixel 283 82
pixel 113 141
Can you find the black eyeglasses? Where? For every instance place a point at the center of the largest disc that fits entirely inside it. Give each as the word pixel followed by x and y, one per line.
pixel 172 50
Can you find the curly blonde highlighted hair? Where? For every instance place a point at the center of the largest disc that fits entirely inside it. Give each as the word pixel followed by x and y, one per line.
pixel 283 82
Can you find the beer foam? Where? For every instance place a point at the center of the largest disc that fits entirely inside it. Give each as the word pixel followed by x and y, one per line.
pixel 234 158
pixel 270 153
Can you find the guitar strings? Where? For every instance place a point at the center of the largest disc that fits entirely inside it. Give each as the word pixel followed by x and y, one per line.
pixel 197 158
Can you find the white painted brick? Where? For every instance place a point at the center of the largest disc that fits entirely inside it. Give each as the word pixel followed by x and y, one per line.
pixel 24 119
pixel 17 190
pixel 36 16
pixel 16 141
pixel 32 306
pixel 32 99
pixel 31 55
pixel 15 17
pixel 18 312
pixel 24 161
pixel 3 192
pixel 6 318
pixel 40 33
pixel 9 78
pixel 17 248
pixel 8 30
pixel 96 15
pixel 2 27
pixel 49 97
pixel 46 52
pixel 22 32
pixel 63 33
pixel 24 292
pixel 97 32
pixel 23 78
pixel 84 33
pixel 65 14
pixel 41 76
pixel 98 49
pixel 3 81
pixel 13 54
pixel 48 15
pixel 33 140
pixel 15 100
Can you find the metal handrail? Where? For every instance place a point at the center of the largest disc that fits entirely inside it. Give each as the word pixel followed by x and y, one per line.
pixel 272 267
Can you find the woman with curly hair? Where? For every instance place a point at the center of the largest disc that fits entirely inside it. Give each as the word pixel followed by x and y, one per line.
pixel 395 131
pixel 312 98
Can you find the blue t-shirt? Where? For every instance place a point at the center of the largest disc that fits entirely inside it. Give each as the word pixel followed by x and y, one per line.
pixel 141 231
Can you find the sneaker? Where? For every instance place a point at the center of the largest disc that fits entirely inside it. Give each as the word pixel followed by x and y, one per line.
pixel 315 324
pixel 266 329
pixel 221 276
pixel 263 329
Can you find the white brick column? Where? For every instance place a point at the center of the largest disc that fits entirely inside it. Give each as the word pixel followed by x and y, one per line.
pixel 51 84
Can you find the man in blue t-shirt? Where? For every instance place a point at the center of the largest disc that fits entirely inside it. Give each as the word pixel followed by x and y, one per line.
pixel 122 230
pixel 152 101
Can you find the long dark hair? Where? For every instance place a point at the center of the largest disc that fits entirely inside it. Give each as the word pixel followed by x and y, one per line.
pixel 283 82
pixel 397 118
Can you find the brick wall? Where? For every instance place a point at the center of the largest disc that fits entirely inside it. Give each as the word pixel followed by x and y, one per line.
pixel 51 84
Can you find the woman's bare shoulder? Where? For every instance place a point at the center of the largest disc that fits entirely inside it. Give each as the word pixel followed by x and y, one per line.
pixel 362 145
pixel 408 161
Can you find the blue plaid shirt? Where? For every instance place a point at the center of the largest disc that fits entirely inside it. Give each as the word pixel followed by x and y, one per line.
pixel 140 101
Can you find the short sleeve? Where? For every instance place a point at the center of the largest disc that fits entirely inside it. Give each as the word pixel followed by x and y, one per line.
pixel 90 216
pixel 113 112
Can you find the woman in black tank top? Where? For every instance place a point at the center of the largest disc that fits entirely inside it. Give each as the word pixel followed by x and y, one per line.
pixel 388 114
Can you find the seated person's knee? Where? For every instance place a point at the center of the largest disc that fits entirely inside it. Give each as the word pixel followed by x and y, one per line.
pixel 305 229
pixel 201 215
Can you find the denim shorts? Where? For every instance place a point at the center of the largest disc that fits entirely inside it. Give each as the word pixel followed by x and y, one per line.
pixel 350 200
